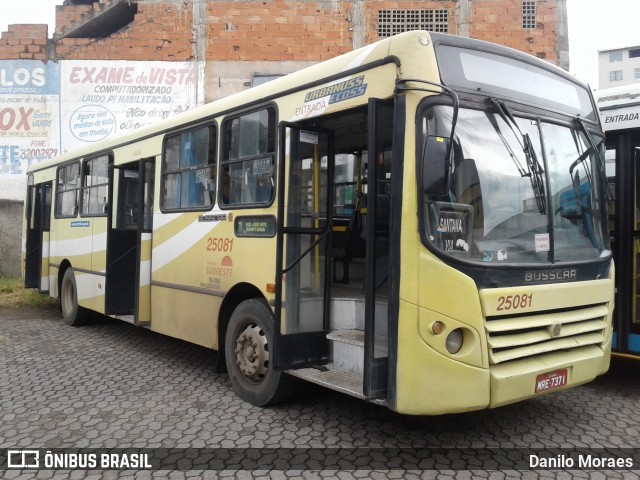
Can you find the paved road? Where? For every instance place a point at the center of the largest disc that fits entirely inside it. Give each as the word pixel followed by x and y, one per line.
pixel 110 385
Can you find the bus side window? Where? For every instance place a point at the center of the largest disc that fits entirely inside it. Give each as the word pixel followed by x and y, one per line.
pixel 95 181
pixel 189 170
pixel 248 159
pixel 67 186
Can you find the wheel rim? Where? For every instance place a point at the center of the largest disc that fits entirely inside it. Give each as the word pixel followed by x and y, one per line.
pixel 252 353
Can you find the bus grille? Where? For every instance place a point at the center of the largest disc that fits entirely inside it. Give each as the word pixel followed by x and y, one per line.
pixel 522 336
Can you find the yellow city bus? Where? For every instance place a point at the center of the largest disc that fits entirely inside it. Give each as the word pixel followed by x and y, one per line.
pixel 420 223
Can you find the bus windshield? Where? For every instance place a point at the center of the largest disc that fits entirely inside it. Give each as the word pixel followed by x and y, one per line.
pixel 521 189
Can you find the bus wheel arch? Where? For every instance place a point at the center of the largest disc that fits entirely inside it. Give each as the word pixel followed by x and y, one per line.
pixel 72 312
pixel 61 269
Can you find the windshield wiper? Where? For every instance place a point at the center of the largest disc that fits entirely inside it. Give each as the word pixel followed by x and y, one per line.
pixel 533 169
pixel 599 159
pixel 575 178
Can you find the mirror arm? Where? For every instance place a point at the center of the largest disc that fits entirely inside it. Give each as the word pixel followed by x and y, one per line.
pixel 438 88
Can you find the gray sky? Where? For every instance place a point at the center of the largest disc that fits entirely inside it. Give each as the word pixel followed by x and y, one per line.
pixel 592 27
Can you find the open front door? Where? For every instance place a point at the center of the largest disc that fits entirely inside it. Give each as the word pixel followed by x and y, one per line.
pixel 305 178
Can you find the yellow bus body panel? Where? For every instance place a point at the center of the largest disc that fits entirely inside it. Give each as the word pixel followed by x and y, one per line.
pixel 431 381
pixel 516 380
pixel 195 263
pixel 186 315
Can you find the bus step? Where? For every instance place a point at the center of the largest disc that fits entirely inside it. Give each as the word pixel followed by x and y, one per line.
pixel 347 347
pixel 126 318
pixel 347 312
pixel 343 382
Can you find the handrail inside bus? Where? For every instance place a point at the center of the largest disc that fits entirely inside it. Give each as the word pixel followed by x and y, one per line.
pixel 303 254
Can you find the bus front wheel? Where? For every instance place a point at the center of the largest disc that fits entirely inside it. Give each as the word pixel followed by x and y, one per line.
pixel 72 313
pixel 247 344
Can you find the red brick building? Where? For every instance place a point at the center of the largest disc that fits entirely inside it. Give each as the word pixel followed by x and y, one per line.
pixel 242 40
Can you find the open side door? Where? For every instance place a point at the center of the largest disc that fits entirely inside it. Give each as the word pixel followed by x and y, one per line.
pixel 129 242
pixel 305 178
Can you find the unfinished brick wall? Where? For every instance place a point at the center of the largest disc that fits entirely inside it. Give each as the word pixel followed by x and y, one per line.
pixel 24 42
pixel 160 32
pixel 67 15
pixel 500 22
pixel 275 30
pixel 375 6
pixel 295 30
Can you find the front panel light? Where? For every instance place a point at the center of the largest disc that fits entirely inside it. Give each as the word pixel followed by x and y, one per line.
pixel 454 341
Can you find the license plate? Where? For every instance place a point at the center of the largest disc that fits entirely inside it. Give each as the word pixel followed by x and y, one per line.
pixel 550 380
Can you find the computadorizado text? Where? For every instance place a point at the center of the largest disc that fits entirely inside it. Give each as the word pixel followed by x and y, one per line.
pixel 583 461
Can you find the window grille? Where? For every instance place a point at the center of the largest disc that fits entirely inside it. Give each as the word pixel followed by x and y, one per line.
pixel 529 14
pixel 392 22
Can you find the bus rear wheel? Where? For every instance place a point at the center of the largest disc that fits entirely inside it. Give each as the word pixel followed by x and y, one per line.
pixel 72 313
pixel 247 344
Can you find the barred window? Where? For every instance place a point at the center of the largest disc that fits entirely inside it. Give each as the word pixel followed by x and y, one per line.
pixel 529 14
pixel 392 22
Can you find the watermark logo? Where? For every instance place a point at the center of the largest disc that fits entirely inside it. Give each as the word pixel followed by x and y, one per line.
pixel 23 459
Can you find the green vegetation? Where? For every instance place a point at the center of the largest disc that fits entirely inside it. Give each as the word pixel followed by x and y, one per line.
pixel 14 295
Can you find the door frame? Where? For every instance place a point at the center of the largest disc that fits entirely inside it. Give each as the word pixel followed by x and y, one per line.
pixel 36 274
pixel 301 349
pixel 624 237
pixel 376 368
pixel 131 272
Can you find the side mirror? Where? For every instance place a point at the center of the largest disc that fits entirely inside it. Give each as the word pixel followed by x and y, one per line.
pixel 435 165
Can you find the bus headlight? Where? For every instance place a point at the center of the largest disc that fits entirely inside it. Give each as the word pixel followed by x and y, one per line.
pixel 454 341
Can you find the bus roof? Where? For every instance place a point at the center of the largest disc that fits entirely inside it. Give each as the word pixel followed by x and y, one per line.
pixel 388 50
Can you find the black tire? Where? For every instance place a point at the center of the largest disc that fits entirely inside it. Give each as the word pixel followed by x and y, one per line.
pixel 72 313
pixel 247 341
